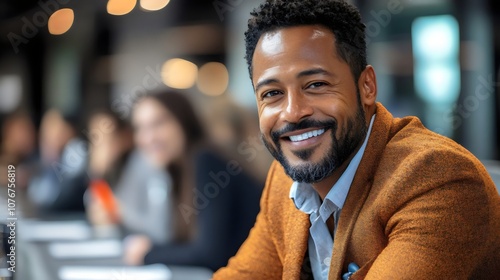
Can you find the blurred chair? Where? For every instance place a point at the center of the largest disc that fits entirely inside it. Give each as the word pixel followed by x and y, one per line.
pixel 493 168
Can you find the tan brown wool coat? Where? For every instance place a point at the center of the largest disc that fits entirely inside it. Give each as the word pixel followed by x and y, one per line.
pixel 420 207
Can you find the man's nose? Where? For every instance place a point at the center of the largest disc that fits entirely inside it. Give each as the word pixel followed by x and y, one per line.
pixel 296 107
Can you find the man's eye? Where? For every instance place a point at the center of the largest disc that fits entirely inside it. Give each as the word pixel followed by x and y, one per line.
pixel 270 94
pixel 316 85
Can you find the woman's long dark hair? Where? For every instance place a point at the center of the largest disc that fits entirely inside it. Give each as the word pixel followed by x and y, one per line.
pixel 181 170
pixel 180 107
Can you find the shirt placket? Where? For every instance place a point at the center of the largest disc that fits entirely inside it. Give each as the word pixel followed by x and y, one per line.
pixel 322 243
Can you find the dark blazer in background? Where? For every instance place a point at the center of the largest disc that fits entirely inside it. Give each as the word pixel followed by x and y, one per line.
pixel 222 224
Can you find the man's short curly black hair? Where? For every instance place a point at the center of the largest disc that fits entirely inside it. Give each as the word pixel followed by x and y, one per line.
pixel 343 19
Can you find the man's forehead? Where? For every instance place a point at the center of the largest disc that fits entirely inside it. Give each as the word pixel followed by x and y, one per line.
pixel 274 40
pixel 271 43
pixel 299 42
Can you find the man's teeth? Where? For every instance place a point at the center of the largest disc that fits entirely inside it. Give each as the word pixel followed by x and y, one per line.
pixel 307 135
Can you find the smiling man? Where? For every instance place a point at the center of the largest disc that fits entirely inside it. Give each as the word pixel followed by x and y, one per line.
pixel 355 193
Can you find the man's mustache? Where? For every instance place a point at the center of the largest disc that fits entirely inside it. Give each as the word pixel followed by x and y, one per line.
pixel 304 124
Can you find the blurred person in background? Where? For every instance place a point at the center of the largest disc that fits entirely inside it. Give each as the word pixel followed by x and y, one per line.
pixel 62 179
pixel 18 145
pixel 111 142
pixel 140 189
pixel 214 201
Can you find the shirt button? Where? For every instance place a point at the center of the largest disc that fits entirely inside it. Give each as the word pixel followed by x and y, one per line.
pixel 327 261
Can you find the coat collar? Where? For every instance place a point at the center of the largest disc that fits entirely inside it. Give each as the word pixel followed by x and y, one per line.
pixel 360 188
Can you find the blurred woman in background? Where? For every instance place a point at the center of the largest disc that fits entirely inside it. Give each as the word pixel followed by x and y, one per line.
pixel 141 190
pixel 212 202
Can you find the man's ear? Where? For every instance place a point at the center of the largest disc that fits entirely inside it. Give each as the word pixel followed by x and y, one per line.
pixel 367 85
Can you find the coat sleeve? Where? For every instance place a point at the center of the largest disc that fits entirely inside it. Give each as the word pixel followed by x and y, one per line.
pixel 444 232
pixel 257 258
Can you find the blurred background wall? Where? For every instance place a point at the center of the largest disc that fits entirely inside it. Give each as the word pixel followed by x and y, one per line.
pixel 436 59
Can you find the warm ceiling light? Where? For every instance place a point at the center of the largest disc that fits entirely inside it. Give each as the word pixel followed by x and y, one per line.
pixel 213 79
pixel 153 5
pixel 120 7
pixel 179 73
pixel 61 21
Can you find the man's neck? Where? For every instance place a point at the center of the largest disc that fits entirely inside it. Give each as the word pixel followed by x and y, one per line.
pixel 323 187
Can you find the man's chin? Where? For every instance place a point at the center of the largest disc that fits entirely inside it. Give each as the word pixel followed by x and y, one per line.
pixel 308 171
pixel 306 157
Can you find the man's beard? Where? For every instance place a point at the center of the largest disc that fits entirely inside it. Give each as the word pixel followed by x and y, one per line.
pixel 350 138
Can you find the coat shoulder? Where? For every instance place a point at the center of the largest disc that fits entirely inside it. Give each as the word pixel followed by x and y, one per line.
pixel 416 161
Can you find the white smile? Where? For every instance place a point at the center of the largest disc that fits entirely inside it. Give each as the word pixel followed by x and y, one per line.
pixel 307 135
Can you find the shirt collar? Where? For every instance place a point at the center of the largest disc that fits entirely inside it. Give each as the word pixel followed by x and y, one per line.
pixel 307 200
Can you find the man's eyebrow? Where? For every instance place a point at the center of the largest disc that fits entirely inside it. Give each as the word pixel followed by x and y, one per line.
pixel 309 72
pixel 314 71
pixel 265 82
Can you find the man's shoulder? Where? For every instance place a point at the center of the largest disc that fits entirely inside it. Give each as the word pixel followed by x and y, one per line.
pixel 411 141
pixel 421 167
pixel 397 143
pixel 416 159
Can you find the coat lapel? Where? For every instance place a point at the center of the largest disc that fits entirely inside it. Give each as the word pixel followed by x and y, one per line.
pixel 360 189
pixel 297 237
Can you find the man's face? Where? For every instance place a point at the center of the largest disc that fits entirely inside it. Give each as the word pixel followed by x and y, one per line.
pixel 311 118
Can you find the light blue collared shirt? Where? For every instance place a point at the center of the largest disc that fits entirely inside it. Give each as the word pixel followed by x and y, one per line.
pixel 307 200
